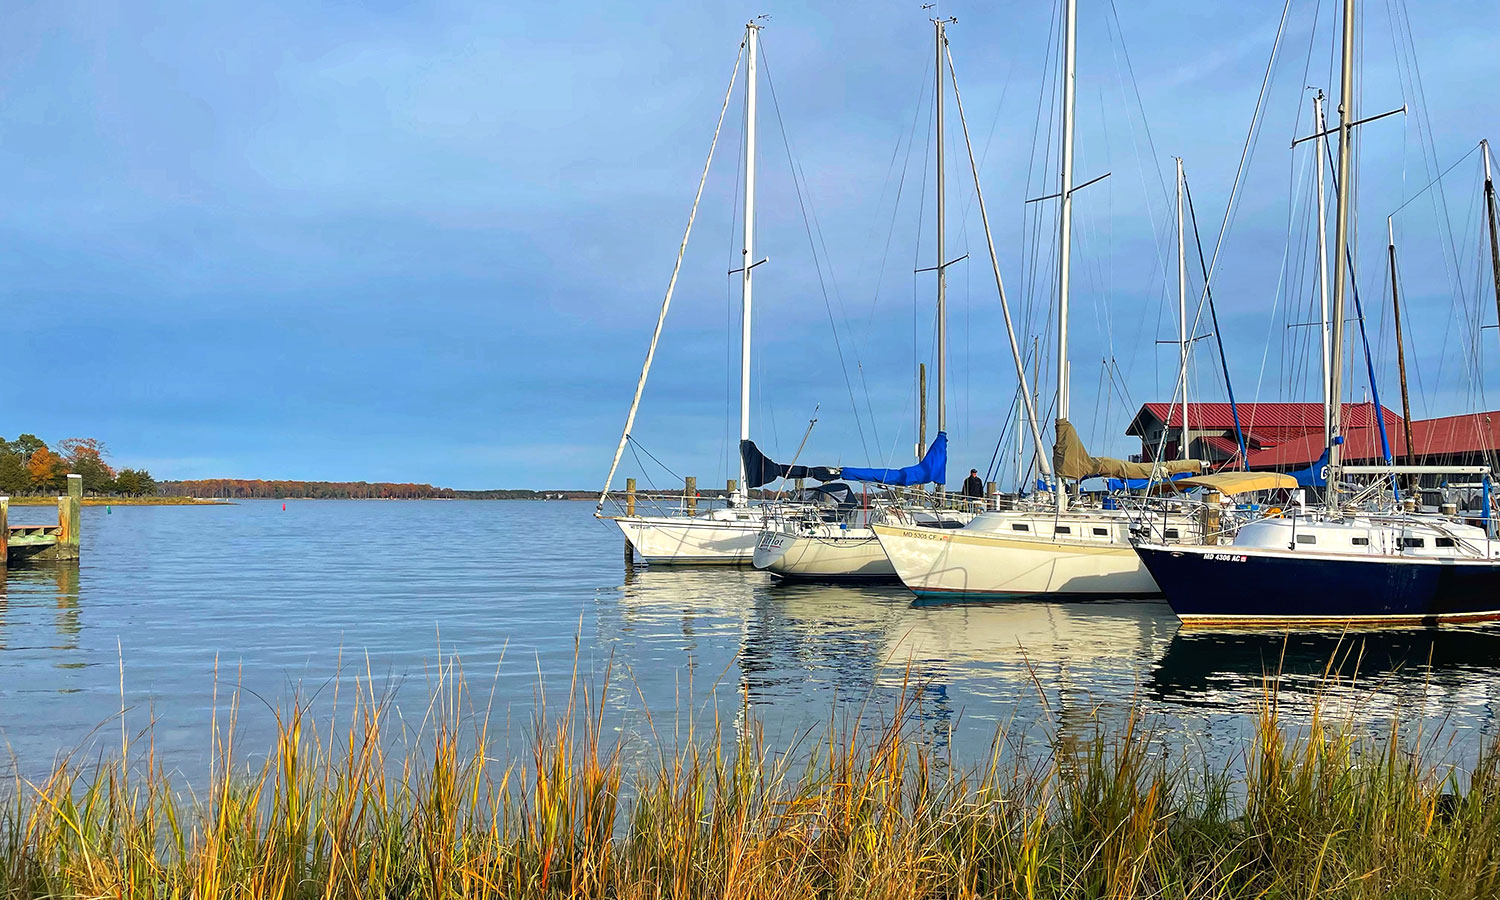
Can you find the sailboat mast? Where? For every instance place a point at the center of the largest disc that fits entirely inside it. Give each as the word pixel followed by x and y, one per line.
pixel 747 254
pixel 1065 221
pixel 1182 335
pixel 942 274
pixel 1489 208
pixel 1319 149
pixel 1340 242
pixel 1390 230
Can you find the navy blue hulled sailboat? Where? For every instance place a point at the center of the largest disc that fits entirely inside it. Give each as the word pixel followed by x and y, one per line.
pixel 1346 563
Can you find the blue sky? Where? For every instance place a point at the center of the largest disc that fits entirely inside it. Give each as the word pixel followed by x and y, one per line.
pixel 427 242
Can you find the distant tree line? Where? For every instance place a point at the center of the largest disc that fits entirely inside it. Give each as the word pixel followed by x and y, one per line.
pixel 258 489
pixel 29 466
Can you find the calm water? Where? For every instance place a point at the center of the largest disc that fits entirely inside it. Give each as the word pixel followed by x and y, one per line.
pixel 308 599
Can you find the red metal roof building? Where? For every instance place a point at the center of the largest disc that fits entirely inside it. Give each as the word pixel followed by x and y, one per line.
pixel 1283 436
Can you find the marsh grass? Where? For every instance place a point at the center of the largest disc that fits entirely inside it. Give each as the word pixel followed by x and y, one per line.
pixel 364 804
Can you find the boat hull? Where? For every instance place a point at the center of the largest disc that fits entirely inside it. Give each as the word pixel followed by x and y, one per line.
pixel 683 540
pixel 956 564
pixel 1245 587
pixel 856 556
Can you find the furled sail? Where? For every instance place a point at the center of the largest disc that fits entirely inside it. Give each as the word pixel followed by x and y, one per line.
pixel 1071 460
pixel 761 470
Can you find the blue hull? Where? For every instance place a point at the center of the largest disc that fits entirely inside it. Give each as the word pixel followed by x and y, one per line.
pixel 1218 586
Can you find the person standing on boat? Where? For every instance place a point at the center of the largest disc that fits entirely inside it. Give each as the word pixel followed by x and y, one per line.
pixel 973 487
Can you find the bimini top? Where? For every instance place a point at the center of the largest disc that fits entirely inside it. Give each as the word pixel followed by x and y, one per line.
pixel 1236 482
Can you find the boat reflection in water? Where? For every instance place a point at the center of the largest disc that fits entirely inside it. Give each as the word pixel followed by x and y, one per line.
pixel 800 652
pixel 1433 673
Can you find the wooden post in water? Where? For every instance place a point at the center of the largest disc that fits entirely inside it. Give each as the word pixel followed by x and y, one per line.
pixel 1211 522
pixel 729 489
pixel 4 530
pixel 690 494
pixel 69 517
pixel 991 501
pixel 629 511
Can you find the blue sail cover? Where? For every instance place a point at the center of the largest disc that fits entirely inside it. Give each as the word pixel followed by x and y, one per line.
pixel 1314 476
pixel 933 468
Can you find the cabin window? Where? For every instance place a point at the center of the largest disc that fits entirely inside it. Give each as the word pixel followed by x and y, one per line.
pixel 1445 542
pixel 1360 542
pixel 1062 529
pixel 1017 526
pixel 1102 532
pixel 1413 542
pixel 1307 539
pixel 1170 532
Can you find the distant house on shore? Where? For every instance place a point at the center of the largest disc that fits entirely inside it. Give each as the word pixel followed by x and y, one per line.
pixel 1281 437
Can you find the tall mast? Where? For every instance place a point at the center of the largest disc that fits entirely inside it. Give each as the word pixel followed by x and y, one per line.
pixel 747 254
pixel 1319 145
pixel 1027 405
pixel 1390 230
pixel 942 274
pixel 1065 221
pixel 1340 243
pixel 1489 208
pixel 1182 325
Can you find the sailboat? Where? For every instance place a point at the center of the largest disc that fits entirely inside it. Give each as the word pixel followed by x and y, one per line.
pixel 725 535
pixel 841 544
pixel 1077 552
pixel 1345 563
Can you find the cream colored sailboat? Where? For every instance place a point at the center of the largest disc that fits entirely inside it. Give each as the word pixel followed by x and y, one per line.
pixel 1061 552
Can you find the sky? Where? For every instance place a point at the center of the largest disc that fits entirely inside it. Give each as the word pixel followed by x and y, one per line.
pixel 428 241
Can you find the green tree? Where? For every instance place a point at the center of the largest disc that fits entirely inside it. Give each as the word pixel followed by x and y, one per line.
pixel 13 477
pixel 147 484
pixel 28 444
pixel 97 477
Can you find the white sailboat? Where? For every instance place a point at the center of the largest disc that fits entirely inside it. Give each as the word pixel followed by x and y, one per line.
pixel 1069 552
pixel 722 536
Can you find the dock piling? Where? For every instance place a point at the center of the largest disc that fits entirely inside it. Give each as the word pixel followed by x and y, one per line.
pixel 690 494
pixel 630 496
pixel 4 530
pixel 69 518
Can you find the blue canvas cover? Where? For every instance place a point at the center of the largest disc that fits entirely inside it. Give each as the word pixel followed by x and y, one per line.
pixel 933 468
pixel 1314 476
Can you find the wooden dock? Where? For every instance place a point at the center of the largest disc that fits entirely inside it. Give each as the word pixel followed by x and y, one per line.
pixel 20 543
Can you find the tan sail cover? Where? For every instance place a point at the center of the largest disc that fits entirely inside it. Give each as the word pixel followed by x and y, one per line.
pixel 1236 482
pixel 1072 460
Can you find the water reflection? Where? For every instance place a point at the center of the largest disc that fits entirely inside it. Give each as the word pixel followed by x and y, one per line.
pixel 1439 671
pixel 26 591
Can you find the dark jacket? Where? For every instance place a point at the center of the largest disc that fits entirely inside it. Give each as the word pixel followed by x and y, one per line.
pixel 973 487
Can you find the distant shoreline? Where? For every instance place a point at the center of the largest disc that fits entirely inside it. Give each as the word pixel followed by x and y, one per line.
pixel 123 501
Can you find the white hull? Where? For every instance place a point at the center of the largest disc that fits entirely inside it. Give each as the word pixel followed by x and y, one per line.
pixel 855 554
pixel 688 540
pixel 983 564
